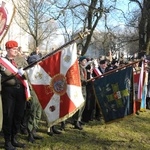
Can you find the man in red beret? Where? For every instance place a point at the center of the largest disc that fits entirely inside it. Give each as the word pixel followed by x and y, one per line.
pixel 13 96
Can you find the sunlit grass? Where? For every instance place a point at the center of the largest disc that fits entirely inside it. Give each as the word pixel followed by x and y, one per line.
pixel 132 133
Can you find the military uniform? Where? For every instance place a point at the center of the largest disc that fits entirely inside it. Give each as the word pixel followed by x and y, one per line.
pixel 83 77
pixel 13 99
pixel 22 63
pixel 33 112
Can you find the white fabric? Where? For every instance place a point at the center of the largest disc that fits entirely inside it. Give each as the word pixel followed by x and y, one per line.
pixel 21 71
pixel 39 77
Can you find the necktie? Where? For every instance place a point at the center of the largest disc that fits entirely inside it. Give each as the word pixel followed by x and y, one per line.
pixel 13 62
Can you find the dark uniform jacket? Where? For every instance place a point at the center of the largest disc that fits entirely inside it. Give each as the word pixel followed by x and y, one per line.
pixel 13 80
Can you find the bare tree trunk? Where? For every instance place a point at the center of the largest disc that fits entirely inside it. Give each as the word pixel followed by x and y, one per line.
pixel 144 29
pixel 92 12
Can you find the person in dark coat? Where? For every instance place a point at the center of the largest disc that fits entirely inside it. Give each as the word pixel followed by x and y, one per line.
pixel 103 66
pixel 103 69
pixel 114 64
pixel 90 98
pixel 36 52
pixel 33 112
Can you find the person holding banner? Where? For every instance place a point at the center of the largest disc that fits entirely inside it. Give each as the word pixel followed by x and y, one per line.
pixel 13 96
pixel 83 77
pixel 101 70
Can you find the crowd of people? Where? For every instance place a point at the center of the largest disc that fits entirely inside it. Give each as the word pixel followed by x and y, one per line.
pixel 22 115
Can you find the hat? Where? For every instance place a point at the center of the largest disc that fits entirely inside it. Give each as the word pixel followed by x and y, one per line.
pixel 102 61
pixel 11 44
pixel 114 62
pixel 88 63
pixel 81 58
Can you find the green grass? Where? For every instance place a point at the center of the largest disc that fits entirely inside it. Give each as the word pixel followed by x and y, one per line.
pixel 131 133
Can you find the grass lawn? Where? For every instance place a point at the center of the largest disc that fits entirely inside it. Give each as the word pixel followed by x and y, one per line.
pixel 131 133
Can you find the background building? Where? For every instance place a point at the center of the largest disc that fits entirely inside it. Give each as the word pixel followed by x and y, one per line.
pixel 14 32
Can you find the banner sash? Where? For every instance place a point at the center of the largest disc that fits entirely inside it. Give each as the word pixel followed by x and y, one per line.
pixel 14 71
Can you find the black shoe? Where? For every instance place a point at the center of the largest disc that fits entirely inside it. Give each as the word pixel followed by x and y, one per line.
pixel 97 118
pixel 63 124
pixel 78 126
pixel 31 138
pixel 55 131
pixel 50 133
pixel 9 146
pixel 37 137
pixel 137 113
pixel 24 131
pixel 15 143
pixel 83 122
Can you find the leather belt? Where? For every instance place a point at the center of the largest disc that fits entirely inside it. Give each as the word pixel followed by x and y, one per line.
pixel 17 86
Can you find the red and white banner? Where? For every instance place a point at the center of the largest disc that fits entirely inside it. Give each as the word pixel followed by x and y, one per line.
pixel 56 82
pixel 7 12
pixel 137 102
pixel 141 79
pixel 3 17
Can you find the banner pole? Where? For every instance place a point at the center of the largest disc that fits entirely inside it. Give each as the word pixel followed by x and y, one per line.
pixel 112 71
pixel 80 36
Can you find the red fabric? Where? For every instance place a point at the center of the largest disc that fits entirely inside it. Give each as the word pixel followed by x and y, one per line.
pixel 3 19
pixel 13 63
pixel 11 44
pixel 56 82
pixel 137 103
pixel 53 70
pixel 96 72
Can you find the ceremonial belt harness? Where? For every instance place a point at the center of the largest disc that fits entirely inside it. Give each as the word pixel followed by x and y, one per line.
pixel 14 71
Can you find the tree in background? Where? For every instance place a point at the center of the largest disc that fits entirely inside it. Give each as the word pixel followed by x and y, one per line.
pixel 41 19
pixel 144 27
pixel 34 18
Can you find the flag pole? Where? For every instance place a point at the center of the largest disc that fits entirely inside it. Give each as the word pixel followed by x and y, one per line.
pixel 80 36
pixel 114 70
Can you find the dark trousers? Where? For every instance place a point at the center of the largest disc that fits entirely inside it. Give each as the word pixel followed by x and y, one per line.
pixel 13 100
pixel 32 113
pixel 78 115
pixel 90 104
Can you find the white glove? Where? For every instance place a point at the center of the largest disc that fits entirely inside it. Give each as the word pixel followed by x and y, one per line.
pixel 21 71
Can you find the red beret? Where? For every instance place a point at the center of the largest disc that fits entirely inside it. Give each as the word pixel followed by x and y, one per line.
pixel 11 44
